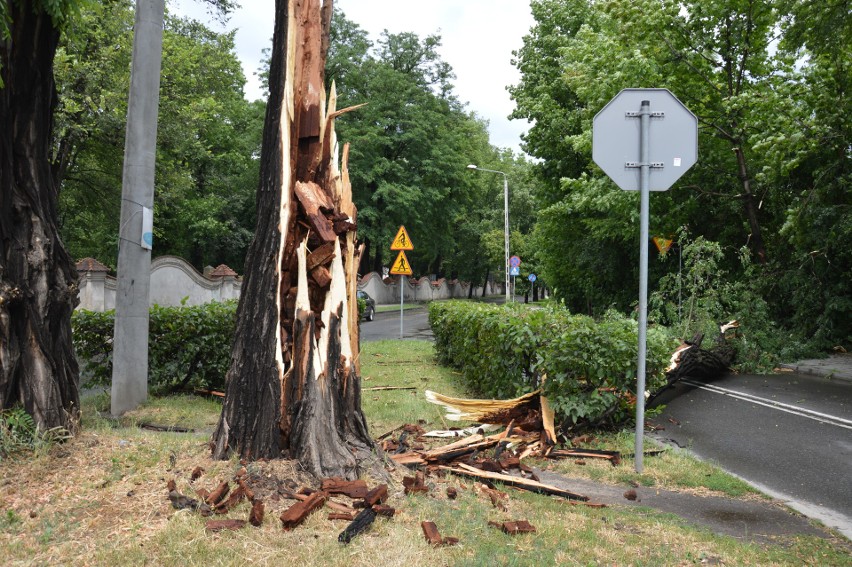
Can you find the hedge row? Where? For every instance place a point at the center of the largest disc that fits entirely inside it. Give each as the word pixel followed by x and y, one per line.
pixel 188 347
pixel 503 351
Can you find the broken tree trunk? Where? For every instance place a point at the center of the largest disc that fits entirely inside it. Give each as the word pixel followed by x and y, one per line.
pixel 692 361
pixel 293 387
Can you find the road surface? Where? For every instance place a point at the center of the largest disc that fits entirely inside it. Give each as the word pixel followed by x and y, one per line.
pixel 789 434
pixel 415 325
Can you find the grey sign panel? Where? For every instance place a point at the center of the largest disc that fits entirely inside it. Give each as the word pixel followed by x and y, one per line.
pixel 673 143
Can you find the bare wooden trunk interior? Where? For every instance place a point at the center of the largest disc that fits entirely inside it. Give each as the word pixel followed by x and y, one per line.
pixel 294 386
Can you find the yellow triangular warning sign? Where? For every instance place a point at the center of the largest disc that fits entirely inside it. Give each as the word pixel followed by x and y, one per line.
pixel 663 244
pixel 401 267
pixel 401 241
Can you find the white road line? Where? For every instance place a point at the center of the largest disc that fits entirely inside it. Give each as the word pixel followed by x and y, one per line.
pixel 795 410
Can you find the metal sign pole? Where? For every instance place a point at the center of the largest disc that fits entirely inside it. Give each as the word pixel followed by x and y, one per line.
pixel 400 305
pixel 644 184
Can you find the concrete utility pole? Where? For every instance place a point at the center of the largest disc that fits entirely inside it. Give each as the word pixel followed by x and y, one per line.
pixel 130 342
pixel 505 223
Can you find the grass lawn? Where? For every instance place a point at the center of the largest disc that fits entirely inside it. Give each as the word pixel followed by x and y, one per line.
pixel 101 498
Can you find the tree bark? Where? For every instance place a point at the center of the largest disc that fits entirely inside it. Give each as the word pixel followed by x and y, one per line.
pixel 750 207
pixel 38 280
pixel 293 387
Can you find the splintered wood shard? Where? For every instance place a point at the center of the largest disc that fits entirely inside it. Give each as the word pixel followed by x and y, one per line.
pixel 485 411
pixel 298 512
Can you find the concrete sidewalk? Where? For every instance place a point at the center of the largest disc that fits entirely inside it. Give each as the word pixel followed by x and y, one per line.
pixel 836 366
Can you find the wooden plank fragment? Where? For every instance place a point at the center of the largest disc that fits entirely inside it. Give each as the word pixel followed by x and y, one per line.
pixel 410 458
pixel 341 516
pixel 515 527
pixel 296 514
pixel 338 507
pixel 350 488
pixel 257 513
pixel 196 474
pixel 314 200
pixel 383 510
pixel 219 525
pixel 376 496
pixel 526 484
pixel 430 531
pixel 613 457
pixel 415 483
pixel 218 494
pixel 235 498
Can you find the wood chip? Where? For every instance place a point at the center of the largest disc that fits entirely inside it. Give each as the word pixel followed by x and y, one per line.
pixel 296 514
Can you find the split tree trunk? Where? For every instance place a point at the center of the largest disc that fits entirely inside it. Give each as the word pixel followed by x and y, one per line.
pixel 38 281
pixel 293 388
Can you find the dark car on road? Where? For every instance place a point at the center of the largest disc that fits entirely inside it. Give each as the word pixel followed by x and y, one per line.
pixel 370 308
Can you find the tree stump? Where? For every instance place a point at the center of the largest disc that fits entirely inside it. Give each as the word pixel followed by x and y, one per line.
pixel 293 387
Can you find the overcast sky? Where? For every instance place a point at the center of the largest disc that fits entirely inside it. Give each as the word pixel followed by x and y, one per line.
pixel 478 37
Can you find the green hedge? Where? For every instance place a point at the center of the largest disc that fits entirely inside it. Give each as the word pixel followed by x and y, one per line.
pixel 590 365
pixel 188 347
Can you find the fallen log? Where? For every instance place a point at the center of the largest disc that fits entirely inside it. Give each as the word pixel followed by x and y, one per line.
pixel 298 512
pixel 526 484
pixel 690 360
pixel 359 525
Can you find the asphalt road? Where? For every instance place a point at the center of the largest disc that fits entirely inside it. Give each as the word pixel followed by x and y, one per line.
pixel 789 434
pixel 415 325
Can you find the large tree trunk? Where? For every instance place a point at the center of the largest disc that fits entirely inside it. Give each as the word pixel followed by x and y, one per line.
pixel 293 386
pixel 38 281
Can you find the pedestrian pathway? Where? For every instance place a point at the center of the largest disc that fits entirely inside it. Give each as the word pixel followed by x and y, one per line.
pixel 836 366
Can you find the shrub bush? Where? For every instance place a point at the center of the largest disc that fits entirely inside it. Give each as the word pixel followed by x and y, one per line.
pixel 188 347
pixel 590 366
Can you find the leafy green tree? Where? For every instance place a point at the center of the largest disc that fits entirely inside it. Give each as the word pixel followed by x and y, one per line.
pixel 766 80
pixel 208 139
pixel 410 144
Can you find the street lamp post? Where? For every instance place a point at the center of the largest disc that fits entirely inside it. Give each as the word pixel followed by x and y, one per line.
pixel 505 221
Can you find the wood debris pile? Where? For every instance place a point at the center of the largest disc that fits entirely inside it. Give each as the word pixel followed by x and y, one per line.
pixel 352 501
pixel 528 432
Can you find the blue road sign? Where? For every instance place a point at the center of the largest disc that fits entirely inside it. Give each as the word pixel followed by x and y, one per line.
pixel 515 271
pixel 532 277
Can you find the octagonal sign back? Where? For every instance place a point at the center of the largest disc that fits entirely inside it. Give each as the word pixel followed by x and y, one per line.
pixel 673 138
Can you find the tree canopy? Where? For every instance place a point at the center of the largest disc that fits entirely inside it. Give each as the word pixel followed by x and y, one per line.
pixel 766 80
pixel 207 145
